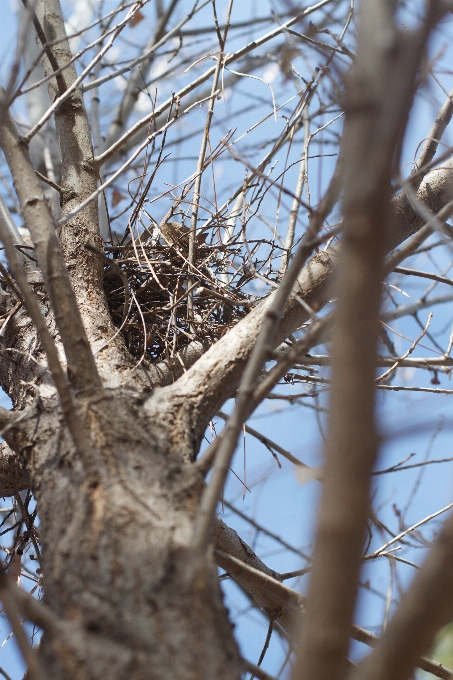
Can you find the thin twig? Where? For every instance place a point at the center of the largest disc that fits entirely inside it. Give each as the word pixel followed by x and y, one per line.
pixel 377 552
pixel 9 603
pixel 423 275
pixel 406 354
pixel 260 354
pixel 67 405
pixel 290 596
pixel 29 525
pixel 59 101
pixel 256 671
pixel 120 171
pixel 201 161
pixel 100 160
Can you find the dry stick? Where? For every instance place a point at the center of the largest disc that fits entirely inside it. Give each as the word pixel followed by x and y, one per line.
pixel 201 79
pixel 423 275
pixel 256 671
pixel 66 93
pixel 76 57
pixel 200 163
pixel 135 80
pixel 149 52
pixel 290 597
pixel 378 552
pixel 426 606
pixel 29 525
pixel 130 160
pixel 399 466
pixel 401 388
pixel 268 442
pixel 5 674
pixel 406 354
pixel 59 377
pixel 295 204
pixel 288 132
pixel 39 221
pixel 432 141
pixel 50 182
pixel 265 531
pixel 303 166
pixel 419 362
pixel 311 338
pixel 325 381
pixel 251 64
pixel 293 574
pixel 203 30
pixel 34 667
pixel 407 310
pixel 62 87
pixel 258 171
pixel 378 97
pixel 226 443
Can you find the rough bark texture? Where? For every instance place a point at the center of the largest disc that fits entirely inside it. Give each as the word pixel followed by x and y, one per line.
pixel 79 179
pixel 118 569
pixel 115 554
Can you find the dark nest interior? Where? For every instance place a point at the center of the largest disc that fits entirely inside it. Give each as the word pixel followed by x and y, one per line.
pixel 158 307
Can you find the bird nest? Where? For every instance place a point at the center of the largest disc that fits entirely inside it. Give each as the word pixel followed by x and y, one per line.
pixel 158 306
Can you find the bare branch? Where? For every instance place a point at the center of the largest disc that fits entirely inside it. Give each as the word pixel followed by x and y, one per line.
pixel 226 443
pixel 214 374
pixel 9 602
pixel 79 180
pixel 140 68
pixel 423 275
pixel 432 141
pixel 256 670
pixel 249 575
pixel 203 78
pixel 425 608
pixel 81 366
pixel 64 306
pixel 372 138
pixel 428 362
pixel 201 161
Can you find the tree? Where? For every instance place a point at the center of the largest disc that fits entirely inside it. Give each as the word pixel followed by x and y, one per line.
pixel 125 333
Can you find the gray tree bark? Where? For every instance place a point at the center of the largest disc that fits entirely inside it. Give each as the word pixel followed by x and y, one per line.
pixel 126 596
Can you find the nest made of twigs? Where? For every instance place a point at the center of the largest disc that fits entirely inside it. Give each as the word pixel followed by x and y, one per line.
pixel 147 288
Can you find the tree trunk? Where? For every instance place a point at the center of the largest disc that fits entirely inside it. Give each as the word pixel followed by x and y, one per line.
pixel 118 492
pixel 116 553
